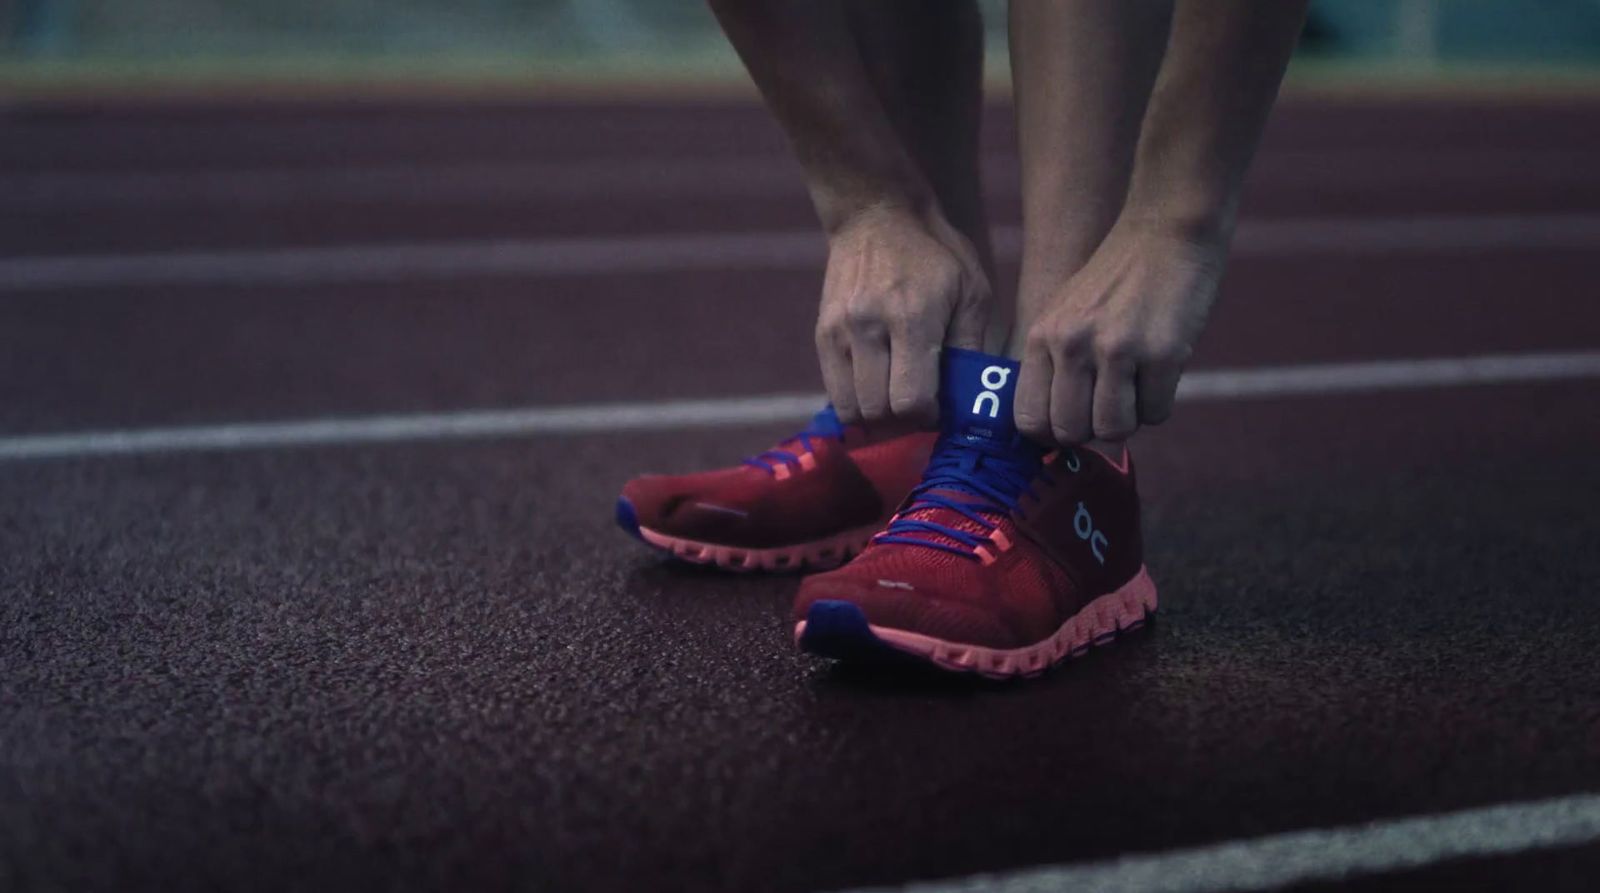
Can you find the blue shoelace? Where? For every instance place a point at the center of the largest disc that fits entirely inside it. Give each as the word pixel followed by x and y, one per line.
pixel 824 425
pixel 996 474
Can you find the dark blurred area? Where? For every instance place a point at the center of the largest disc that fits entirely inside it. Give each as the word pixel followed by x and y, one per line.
pixel 81 36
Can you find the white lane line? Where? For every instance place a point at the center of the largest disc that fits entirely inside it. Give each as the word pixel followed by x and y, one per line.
pixel 790 250
pixel 1385 375
pixel 613 417
pixel 580 256
pixel 1279 381
pixel 698 177
pixel 1268 863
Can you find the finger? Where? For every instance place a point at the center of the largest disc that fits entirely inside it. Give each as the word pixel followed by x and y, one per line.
pixel 833 355
pixel 914 376
pixel 1158 390
pixel 1116 411
pixel 1071 402
pixel 969 324
pixel 869 364
pixel 1031 402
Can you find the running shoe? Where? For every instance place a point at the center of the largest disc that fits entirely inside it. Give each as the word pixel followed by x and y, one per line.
pixel 808 503
pixel 1003 561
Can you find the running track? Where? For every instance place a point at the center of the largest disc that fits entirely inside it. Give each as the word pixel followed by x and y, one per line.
pixel 425 660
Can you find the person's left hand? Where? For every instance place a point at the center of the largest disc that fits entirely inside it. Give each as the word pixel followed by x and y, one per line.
pixel 1106 356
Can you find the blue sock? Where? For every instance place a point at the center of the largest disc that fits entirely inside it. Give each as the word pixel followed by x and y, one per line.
pixel 976 392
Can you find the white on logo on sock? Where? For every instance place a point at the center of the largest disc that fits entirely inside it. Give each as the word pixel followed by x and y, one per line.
pixel 989 397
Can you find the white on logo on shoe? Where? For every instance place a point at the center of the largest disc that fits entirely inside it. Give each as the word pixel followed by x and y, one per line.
pixel 989 397
pixel 1083 526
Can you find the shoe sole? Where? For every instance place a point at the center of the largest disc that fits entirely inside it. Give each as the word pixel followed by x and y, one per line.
pixel 816 555
pixel 839 630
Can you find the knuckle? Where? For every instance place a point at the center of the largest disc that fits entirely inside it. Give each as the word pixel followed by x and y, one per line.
pixel 974 298
pixel 1071 341
pixel 1171 351
pixel 944 273
pixel 978 289
pixel 1037 341
pixel 863 315
pixel 1117 349
pixel 905 316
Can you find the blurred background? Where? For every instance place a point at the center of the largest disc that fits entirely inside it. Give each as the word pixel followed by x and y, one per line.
pixel 493 39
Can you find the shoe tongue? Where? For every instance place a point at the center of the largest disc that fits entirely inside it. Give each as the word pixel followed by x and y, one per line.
pixel 975 418
pixel 826 423
pixel 975 398
pixel 979 447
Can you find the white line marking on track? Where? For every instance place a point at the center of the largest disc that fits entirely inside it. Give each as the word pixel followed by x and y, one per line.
pixel 470 424
pixel 787 250
pixel 1267 863
pixel 1383 375
pixel 1221 384
pixel 697 177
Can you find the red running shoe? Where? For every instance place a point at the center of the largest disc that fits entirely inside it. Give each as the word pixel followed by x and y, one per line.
pixel 1003 561
pixel 810 502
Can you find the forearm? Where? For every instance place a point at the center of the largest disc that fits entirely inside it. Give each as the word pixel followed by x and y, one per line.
pixel 1210 104
pixel 1083 73
pixel 925 61
pixel 1109 344
pixel 803 57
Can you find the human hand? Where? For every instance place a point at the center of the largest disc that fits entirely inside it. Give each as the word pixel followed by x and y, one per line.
pixel 1106 355
pixel 899 287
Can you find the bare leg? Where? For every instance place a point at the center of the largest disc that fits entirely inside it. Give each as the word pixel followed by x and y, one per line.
pixel 925 61
pixel 1176 105
pixel 902 280
pixel 1083 73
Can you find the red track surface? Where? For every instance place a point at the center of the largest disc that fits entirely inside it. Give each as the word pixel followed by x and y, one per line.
pixel 435 666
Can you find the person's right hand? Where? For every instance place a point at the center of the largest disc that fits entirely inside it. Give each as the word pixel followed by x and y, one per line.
pixel 899 287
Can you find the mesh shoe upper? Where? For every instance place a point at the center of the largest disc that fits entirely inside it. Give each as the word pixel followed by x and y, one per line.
pixel 827 479
pixel 998 545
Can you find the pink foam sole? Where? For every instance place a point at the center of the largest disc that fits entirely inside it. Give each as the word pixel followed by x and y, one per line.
pixel 816 555
pixel 1123 610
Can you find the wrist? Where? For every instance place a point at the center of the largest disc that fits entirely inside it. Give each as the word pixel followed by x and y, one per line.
pixel 1174 195
pixel 901 207
pixel 1191 217
pixel 872 183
